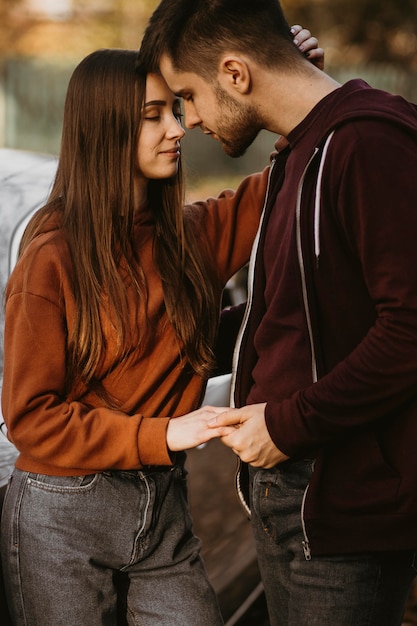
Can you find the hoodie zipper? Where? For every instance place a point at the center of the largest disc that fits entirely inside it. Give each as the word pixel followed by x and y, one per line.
pixel 239 339
pixel 251 274
pixel 317 203
pixel 302 269
pixel 305 543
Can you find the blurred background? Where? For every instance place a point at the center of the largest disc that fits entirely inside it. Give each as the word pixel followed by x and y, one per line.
pixel 42 40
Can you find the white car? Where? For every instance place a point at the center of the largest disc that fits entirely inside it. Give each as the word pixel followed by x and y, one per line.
pixel 26 179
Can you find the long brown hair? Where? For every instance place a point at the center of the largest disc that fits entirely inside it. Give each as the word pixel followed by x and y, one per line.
pixel 93 197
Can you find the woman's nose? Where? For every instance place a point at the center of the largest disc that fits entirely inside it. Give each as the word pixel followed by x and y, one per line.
pixel 176 129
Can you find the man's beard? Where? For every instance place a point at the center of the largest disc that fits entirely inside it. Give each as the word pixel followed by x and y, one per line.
pixel 239 125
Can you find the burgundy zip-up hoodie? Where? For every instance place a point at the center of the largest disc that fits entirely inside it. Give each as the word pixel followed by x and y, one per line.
pixel 347 395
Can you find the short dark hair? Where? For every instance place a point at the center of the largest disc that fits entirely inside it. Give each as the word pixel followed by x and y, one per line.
pixel 194 33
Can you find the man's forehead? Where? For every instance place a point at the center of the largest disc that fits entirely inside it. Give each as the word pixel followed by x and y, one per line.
pixel 167 67
pixel 166 62
pixel 177 80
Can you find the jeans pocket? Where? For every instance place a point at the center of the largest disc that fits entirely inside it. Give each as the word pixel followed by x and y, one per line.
pixel 277 496
pixel 63 484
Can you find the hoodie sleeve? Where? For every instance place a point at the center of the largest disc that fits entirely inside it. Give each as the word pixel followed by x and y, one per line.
pixel 228 223
pixel 53 432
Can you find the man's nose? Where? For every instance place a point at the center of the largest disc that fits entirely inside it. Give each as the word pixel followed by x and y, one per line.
pixel 191 118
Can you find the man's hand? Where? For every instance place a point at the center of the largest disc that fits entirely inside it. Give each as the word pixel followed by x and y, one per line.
pixel 249 438
pixel 308 45
pixel 192 429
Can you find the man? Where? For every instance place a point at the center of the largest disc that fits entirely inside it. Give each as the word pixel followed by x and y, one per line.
pixel 327 356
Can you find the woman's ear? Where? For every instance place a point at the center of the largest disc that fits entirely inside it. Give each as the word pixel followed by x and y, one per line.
pixel 234 74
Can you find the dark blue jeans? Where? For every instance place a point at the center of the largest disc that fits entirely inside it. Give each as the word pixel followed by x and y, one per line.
pixel 343 590
pixel 77 549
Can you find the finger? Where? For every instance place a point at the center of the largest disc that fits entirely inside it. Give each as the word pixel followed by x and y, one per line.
pixel 218 432
pixel 230 417
pixel 294 30
pixel 316 57
pixel 302 37
pixel 308 44
pixel 229 439
pixel 316 53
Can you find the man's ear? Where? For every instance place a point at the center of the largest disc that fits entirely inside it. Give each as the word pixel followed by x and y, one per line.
pixel 234 74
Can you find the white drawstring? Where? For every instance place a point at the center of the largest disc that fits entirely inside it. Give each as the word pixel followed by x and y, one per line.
pixel 318 200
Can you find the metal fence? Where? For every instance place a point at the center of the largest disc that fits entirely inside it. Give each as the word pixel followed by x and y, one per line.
pixel 33 94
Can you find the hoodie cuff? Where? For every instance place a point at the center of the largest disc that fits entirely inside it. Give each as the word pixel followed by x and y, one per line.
pixel 152 442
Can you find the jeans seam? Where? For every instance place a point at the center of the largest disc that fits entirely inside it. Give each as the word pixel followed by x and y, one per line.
pixel 138 537
pixel 15 540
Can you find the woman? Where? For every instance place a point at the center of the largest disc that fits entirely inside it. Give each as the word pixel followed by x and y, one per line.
pixel 111 315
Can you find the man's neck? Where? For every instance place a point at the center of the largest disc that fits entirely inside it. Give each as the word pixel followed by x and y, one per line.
pixel 291 97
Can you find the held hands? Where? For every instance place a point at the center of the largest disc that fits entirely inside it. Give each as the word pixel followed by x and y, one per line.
pixel 249 437
pixel 244 430
pixel 193 429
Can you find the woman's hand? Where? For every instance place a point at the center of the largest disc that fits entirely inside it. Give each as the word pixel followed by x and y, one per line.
pixel 308 45
pixel 192 429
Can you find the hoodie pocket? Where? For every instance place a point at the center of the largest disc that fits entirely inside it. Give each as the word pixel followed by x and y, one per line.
pixel 357 477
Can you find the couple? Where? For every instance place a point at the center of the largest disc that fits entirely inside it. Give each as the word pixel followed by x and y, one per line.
pixel 325 359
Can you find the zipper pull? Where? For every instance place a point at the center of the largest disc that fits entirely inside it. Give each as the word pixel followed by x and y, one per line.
pixel 306 550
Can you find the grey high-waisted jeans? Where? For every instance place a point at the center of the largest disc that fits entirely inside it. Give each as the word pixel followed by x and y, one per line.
pixel 104 549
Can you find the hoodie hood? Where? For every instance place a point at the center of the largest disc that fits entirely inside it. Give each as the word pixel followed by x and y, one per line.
pixel 355 100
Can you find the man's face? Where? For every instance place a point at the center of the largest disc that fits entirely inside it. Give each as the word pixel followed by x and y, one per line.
pixel 212 108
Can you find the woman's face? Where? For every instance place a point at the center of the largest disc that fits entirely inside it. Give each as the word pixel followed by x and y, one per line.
pixel 158 149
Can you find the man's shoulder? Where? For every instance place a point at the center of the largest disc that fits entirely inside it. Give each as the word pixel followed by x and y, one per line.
pixel 357 102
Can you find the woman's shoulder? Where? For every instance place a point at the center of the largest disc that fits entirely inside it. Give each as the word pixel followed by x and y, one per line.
pixel 44 267
pixel 48 247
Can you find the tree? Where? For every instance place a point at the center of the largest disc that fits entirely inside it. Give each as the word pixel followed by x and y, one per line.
pixel 361 31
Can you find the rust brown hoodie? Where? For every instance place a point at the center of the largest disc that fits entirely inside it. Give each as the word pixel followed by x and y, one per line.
pixel 63 433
